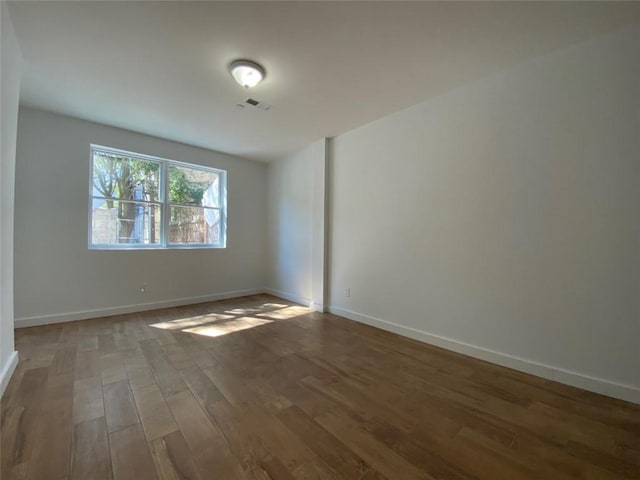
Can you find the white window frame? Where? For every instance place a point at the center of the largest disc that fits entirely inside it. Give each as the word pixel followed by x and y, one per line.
pixel 163 203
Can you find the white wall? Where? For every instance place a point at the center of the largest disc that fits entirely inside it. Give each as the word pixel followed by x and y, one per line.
pixel 296 230
pixel 58 277
pixel 502 219
pixel 319 228
pixel 11 64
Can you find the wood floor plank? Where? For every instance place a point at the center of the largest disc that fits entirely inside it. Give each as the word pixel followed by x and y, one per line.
pixel 16 472
pixel 198 430
pixel 20 417
pixel 306 399
pixel 201 386
pixel 106 344
pixel 198 354
pixel 88 343
pixel 278 441
pixel 477 457
pixel 52 446
pixel 173 458
pixel 206 442
pixel 167 377
pixel 325 445
pixel 64 360
pixel 112 367
pixel 90 454
pixel 11 453
pixel 140 376
pixel 157 420
pixel 274 469
pixel 247 447
pixel 119 405
pixel 177 356
pixel 260 388
pixel 365 445
pixel 88 403
pixel 87 364
pixel 430 460
pixel 130 455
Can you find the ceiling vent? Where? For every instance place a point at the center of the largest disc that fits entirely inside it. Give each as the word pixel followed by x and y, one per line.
pixel 257 104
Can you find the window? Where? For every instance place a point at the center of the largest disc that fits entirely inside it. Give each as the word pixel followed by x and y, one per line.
pixel 138 201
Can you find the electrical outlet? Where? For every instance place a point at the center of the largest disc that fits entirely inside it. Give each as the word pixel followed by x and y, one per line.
pixel 347 292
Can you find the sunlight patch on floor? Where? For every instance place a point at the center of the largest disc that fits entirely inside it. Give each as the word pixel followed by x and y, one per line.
pixel 286 313
pixel 233 320
pixel 230 326
pixel 258 309
pixel 182 323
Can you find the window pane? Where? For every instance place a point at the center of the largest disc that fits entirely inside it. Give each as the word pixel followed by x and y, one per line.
pixel 116 222
pixel 189 186
pixel 125 178
pixel 137 201
pixel 194 225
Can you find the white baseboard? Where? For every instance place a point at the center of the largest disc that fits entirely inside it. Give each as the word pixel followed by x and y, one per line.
pixel 7 371
pixel 629 393
pixel 318 307
pixel 289 296
pixel 104 312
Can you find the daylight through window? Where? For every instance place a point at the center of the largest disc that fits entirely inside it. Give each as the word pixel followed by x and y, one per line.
pixel 138 201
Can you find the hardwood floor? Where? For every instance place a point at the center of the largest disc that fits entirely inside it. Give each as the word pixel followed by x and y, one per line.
pixel 259 388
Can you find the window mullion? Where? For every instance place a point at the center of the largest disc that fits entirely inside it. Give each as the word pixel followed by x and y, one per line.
pixel 222 203
pixel 164 234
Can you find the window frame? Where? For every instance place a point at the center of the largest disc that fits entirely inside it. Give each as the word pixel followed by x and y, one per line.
pixel 163 203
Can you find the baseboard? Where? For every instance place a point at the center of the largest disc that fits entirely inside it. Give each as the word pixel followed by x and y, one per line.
pixel 140 307
pixel 7 371
pixel 289 296
pixel 318 307
pixel 629 393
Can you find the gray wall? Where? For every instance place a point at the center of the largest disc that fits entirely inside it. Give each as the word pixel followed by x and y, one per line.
pixel 502 219
pixel 296 228
pixel 58 277
pixel 10 69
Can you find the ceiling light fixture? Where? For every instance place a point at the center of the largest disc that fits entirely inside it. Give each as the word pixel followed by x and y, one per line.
pixel 246 73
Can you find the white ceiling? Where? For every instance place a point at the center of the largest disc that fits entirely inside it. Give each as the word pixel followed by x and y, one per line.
pixel 161 67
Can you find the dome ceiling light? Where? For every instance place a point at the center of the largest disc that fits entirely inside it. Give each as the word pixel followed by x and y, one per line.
pixel 246 73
